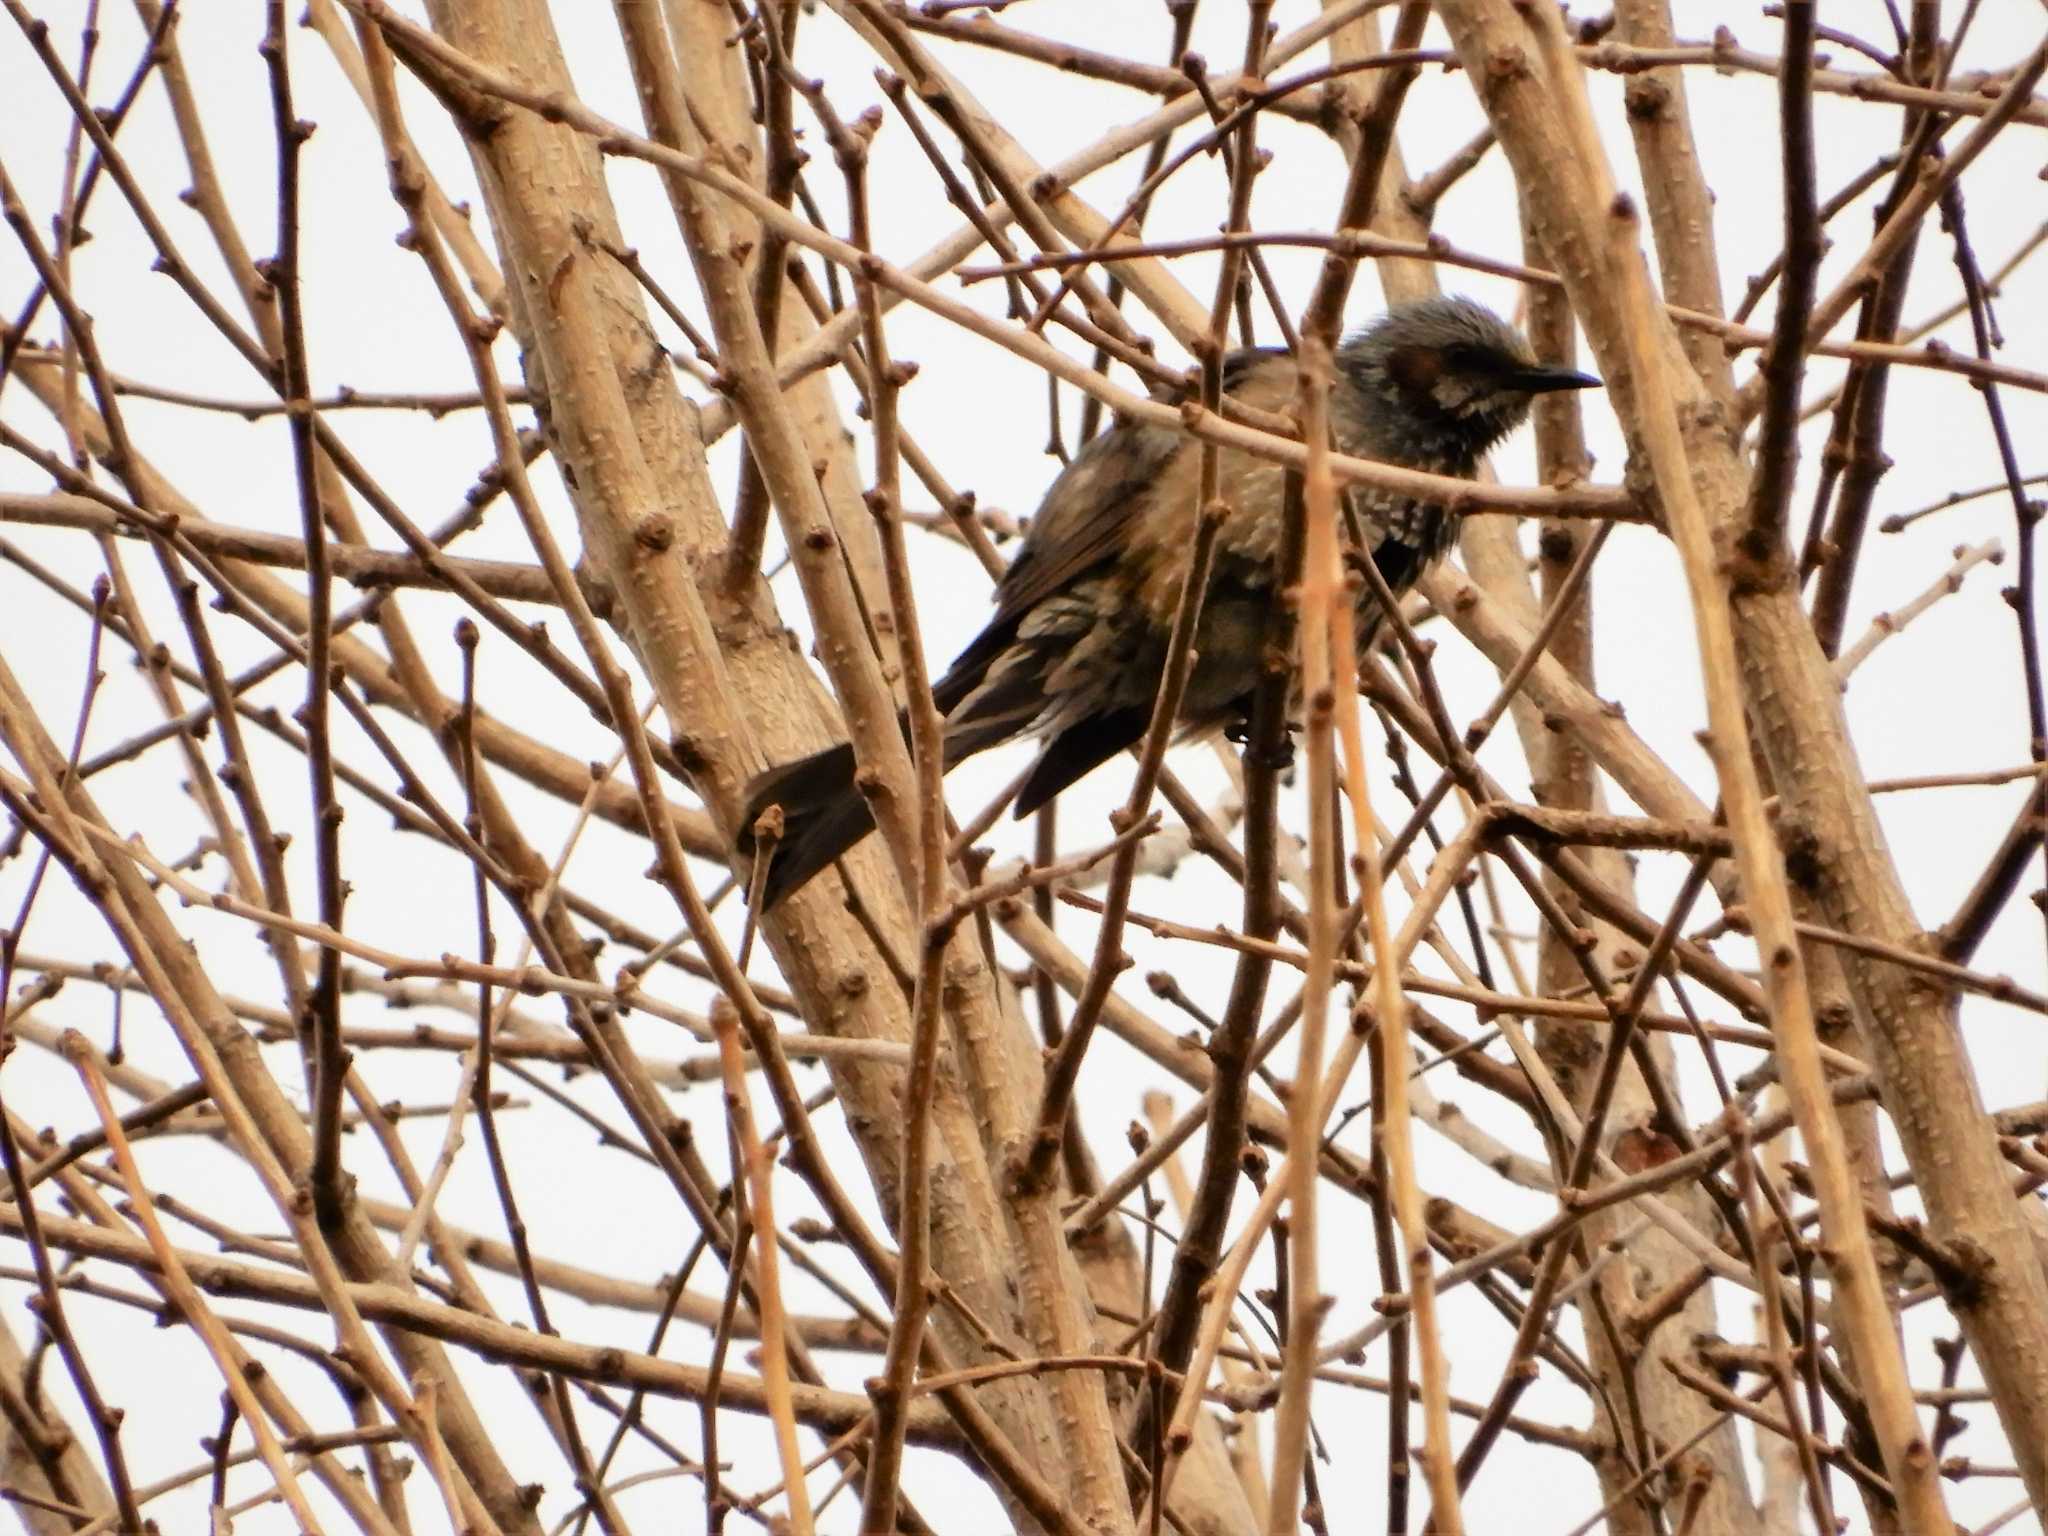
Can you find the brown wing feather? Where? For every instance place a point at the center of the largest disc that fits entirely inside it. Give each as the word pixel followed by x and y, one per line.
pixel 1087 516
pixel 1083 523
pixel 1084 516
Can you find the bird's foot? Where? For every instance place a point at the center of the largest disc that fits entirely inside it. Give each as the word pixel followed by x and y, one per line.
pixel 1280 759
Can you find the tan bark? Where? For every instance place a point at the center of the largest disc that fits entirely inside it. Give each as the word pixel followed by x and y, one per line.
pixel 641 488
pixel 66 1471
pixel 1928 1085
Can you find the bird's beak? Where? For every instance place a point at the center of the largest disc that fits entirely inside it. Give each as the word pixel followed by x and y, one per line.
pixel 1543 381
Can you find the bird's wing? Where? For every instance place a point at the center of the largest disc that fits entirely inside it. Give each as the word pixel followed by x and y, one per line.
pixel 1086 514
pixel 1082 524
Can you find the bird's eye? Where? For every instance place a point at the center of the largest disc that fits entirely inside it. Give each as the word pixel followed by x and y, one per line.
pixel 1466 359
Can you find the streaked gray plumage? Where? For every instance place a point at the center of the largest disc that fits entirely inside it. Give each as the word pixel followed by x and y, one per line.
pixel 1075 650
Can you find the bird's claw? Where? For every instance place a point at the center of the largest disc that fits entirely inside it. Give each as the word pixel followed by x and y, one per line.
pixel 1280 759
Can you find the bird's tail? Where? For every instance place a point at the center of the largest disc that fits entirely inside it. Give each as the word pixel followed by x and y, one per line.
pixel 823 816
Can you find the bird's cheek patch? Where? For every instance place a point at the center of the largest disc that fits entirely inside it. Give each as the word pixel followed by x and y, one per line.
pixel 1416 368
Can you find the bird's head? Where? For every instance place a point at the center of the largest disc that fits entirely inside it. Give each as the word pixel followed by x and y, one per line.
pixel 1445 379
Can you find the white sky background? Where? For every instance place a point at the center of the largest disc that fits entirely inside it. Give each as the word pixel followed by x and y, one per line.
pixel 1944 697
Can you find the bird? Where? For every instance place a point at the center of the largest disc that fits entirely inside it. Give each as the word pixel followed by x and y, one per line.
pixel 1074 652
